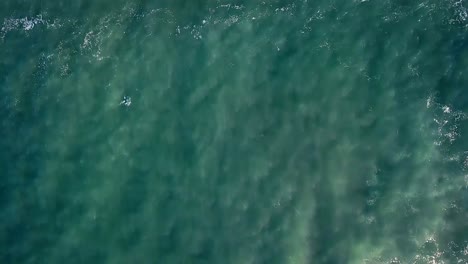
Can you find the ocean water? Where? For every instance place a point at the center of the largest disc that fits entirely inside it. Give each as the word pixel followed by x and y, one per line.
pixel 313 131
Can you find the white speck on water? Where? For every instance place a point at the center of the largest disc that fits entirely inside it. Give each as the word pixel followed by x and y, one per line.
pixel 451 136
pixel 87 39
pixel 446 109
pixel 277 204
pixel 370 220
pixel 428 102
pixel 231 20
pixel 126 101
pixel 28 24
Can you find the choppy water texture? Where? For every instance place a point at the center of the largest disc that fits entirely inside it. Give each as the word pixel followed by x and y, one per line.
pixel 331 131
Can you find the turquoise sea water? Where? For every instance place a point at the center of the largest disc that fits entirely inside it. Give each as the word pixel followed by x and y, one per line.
pixel 325 131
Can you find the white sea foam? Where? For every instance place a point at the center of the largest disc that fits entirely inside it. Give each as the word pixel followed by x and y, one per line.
pixel 126 101
pixel 24 23
pixel 447 120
